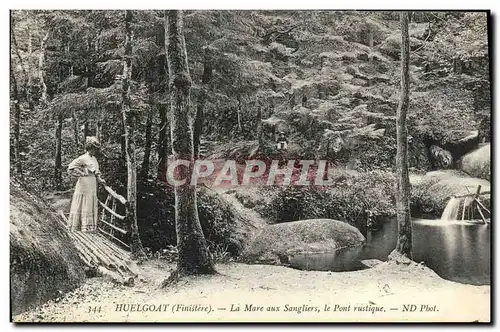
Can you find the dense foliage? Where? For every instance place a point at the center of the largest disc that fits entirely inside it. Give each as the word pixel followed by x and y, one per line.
pixel 356 198
pixel 156 218
pixel 328 79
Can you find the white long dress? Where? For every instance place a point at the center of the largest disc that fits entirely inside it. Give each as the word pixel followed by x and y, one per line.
pixel 83 212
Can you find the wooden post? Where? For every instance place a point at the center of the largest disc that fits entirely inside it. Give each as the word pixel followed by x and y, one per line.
pixel 477 191
pixel 103 216
pixel 111 221
pixel 463 208
pixel 484 207
pixel 481 213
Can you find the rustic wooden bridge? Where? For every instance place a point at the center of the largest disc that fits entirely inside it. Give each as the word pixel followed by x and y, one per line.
pixel 106 251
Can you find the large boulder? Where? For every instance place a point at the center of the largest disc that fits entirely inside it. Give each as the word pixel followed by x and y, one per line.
pixel 478 163
pixel 44 262
pixel 277 243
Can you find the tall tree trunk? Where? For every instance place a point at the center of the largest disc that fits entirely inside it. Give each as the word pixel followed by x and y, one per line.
pixel 404 243
pixel 205 81
pixel 17 124
pixel 194 257
pixel 41 60
pixel 147 144
pixel 129 120
pixel 58 159
pixel 162 107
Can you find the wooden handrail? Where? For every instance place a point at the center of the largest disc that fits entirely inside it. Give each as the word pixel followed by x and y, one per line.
pixel 115 238
pixel 115 195
pixel 112 196
pixel 111 211
pixel 114 227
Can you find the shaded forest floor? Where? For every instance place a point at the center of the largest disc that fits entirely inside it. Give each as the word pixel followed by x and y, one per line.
pixel 386 286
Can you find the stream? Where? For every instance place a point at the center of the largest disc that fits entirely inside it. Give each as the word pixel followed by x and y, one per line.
pixel 456 250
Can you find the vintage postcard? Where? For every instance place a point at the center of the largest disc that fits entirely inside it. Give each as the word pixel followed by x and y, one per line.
pixel 250 166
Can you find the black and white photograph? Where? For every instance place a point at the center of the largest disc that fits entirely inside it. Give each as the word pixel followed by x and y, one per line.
pixel 250 166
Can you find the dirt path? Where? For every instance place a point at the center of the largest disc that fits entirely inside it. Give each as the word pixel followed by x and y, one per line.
pixel 274 293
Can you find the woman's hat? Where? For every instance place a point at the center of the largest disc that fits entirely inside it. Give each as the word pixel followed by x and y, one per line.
pixel 92 141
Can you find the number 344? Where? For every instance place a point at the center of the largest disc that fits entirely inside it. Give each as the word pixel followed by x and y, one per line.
pixel 94 309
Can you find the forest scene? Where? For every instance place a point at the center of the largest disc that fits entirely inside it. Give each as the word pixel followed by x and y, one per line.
pixel 279 157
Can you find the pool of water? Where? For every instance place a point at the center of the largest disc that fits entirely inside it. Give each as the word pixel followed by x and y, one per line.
pixel 457 251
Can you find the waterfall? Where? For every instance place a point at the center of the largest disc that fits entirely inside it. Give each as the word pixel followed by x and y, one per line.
pixel 451 210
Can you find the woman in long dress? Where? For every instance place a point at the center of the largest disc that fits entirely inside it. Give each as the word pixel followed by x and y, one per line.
pixel 83 212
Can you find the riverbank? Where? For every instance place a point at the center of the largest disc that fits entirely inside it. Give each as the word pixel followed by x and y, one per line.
pixel 377 294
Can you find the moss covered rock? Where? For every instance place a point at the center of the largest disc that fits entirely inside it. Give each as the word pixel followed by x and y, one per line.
pixel 276 243
pixel 478 163
pixel 44 263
